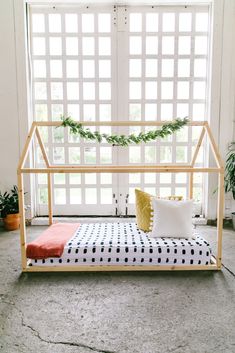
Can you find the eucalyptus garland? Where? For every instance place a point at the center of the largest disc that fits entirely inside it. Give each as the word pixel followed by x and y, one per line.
pixel 122 140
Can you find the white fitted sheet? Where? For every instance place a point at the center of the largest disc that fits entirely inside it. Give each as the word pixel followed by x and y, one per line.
pixel 124 244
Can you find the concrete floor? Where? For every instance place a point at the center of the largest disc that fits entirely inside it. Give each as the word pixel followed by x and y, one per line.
pixel 171 312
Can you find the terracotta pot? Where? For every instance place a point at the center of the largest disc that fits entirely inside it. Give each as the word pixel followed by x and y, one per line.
pixel 12 221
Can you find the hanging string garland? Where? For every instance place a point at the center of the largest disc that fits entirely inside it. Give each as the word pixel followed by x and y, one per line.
pixel 123 140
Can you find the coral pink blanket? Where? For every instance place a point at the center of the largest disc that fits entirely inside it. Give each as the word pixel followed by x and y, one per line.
pixel 52 241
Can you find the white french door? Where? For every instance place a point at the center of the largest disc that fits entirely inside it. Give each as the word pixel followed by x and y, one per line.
pixel 117 63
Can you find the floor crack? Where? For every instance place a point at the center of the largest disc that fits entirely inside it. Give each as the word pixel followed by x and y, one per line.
pixel 37 334
pixel 74 344
pixel 226 268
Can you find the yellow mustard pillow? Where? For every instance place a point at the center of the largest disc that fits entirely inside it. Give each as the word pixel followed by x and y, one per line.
pixel 143 207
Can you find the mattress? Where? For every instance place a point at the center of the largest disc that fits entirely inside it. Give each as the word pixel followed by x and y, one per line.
pixel 100 244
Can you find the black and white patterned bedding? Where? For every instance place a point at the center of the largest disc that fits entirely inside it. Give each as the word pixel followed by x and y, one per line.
pixel 124 244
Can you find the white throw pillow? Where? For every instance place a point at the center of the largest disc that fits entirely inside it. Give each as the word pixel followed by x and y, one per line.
pixel 172 219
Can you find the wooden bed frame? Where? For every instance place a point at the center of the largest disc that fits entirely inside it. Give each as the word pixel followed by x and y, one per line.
pixel 186 168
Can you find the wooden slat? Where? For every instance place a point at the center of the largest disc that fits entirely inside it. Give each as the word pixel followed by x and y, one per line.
pixel 199 143
pixel 119 268
pixel 50 199
pixel 220 214
pixel 43 150
pixel 214 147
pixel 118 123
pixel 119 169
pixel 22 221
pixel 26 146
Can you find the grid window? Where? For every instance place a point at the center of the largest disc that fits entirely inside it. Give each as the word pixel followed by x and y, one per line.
pixel 150 65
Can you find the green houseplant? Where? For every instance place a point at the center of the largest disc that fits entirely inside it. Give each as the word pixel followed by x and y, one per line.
pixel 9 209
pixel 230 174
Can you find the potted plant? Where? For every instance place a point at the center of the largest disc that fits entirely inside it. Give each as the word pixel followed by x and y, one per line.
pixel 9 208
pixel 230 174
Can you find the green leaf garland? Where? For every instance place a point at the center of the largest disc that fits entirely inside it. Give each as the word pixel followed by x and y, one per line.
pixel 122 140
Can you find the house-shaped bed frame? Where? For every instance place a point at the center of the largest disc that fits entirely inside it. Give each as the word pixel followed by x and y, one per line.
pixel 173 168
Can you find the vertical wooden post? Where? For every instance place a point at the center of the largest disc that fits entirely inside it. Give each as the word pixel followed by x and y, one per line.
pixel 190 185
pixel 22 220
pixel 220 214
pixel 50 207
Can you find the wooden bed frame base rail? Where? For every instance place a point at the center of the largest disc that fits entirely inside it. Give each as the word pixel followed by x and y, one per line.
pixel 177 168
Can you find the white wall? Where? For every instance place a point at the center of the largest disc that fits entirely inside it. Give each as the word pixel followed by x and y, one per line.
pixel 13 92
pixel 9 127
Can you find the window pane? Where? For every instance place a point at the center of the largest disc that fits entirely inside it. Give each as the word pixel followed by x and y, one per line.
pixel 105 112
pixel 58 155
pixel 71 23
pixel 135 67
pixel 105 155
pixel 151 44
pixel 135 22
pixel 56 111
pixel 167 90
pixel 39 68
pixel 151 111
pixel 72 68
pixel 90 155
pixel 39 46
pixel 56 68
pixel 104 68
pixel 165 154
pixel 106 196
pixel 75 178
pixel 151 22
pixel 104 22
pixel 75 196
pixel 183 90
pixel 135 45
pixel 184 45
pixel 167 67
pixel 104 46
pixel 38 22
pixel 40 89
pixel 150 154
pixel 87 23
pixel 151 68
pixel 41 112
pixel 60 196
pixel 91 196
pixel 89 112
pixel 90 178
pixel 201 45
pixel 199 90
pixel 135 111
pixel 183 67
pixel 151 90
pixel 166 111
pixel 71 46
pixel 74 155
pixel 185 22
pixel 55 46
pixel 168 45
pixel 54 23
pixel 88 91
pixel 134 154
pixel 88 68
pixel 201 22
pixel 88 46
pixel 72 90
pixel 200 67
pixel 168 22
pixel 105 90
pixel 59 179
pixel 135 90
